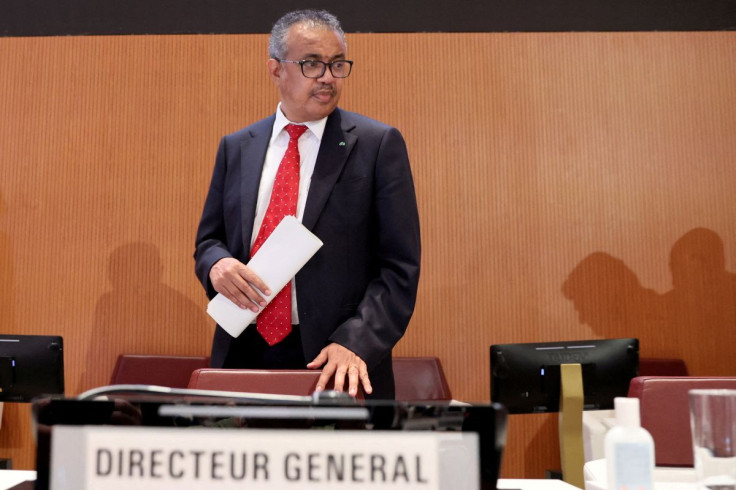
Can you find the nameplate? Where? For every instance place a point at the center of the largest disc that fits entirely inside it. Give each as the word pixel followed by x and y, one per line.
pixel 143 458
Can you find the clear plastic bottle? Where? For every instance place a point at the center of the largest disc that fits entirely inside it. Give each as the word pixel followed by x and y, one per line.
pixel 629 449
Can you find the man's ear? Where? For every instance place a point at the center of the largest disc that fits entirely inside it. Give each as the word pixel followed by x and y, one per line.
pixel 274 69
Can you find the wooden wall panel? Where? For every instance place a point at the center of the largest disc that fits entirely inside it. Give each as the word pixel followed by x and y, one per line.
pixel 539 159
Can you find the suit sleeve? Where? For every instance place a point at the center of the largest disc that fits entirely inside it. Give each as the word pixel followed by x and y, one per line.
pixel 387 306
pixel 210 243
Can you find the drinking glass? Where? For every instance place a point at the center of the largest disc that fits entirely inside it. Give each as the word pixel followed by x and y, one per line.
pixel 713 424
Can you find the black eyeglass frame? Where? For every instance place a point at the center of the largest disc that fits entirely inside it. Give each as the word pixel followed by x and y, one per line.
pixel 324 66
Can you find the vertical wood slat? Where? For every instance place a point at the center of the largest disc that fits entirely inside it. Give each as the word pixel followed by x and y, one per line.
pixel 530 153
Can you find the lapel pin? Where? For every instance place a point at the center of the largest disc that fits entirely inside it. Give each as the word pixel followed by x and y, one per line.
pixel 342 143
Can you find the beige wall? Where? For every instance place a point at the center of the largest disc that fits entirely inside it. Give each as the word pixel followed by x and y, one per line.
pixel 530 152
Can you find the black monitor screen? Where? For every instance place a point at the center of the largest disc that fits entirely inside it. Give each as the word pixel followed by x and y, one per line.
pixel 30 365
pixel 525 378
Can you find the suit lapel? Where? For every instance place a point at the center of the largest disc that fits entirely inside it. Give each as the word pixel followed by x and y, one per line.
pixel 337 143
pixel 252 155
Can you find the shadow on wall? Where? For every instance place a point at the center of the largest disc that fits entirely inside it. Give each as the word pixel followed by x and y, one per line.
pixel 701 305
pixel 7 275
pixel 141 315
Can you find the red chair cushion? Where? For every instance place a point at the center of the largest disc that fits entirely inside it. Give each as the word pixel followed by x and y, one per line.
pixel 170 371
pixel 665 413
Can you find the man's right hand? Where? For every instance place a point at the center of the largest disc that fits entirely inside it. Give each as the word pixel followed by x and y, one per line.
pixel 239 284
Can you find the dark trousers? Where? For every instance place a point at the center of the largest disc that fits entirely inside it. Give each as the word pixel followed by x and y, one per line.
pixel 250 351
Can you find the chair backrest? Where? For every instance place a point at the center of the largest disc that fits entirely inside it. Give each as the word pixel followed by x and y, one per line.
pixel 665 412
pixel 420 378
pixel 170 371
pixel 274 382
pixel 417 379
pixel 655 366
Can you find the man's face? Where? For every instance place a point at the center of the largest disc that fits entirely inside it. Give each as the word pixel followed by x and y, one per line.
pixel 308 99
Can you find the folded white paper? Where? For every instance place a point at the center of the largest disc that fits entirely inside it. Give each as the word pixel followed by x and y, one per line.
pixel 281 256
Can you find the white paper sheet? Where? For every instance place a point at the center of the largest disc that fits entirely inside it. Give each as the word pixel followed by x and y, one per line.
pixel 281 256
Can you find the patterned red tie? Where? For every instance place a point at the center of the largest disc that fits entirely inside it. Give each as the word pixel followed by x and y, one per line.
pixel 274 322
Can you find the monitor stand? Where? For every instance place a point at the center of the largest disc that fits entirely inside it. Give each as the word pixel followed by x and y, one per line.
pixel 571 424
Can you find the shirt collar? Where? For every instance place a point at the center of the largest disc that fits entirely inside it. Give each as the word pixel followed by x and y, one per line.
pixel 316 127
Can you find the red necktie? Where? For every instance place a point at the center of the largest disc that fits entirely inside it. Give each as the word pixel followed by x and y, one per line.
pixel 274 322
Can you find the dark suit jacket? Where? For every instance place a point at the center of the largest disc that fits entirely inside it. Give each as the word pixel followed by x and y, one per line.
pixel 359 289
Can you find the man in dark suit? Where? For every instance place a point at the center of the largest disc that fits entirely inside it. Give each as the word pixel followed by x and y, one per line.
pixel 353 300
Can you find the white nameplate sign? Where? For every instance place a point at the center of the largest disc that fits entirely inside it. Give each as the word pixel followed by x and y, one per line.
pixel 143 458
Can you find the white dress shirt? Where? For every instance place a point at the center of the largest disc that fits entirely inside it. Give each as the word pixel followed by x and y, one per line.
pixel 308 148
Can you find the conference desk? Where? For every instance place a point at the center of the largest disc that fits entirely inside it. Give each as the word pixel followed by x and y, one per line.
pixel 504 484
pixel 664 478
pixel 419 432
pixel 11 478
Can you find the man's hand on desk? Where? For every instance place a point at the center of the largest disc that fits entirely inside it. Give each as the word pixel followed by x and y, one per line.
pixel 341 362
pixel 238 283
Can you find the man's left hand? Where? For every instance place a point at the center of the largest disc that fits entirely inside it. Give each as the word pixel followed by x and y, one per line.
pixel 341 362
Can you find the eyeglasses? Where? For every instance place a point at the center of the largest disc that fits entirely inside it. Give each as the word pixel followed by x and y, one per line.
pixel 316 68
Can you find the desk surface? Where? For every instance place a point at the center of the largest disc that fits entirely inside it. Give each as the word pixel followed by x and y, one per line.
pixel 10 478
pixel 664 478
pixel 534 485
pixel 658 485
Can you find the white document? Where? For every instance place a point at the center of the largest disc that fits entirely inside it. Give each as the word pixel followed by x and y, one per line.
pixel 281 256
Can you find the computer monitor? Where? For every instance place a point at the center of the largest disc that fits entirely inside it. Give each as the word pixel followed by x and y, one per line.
pixel 525 377
pixel 30 365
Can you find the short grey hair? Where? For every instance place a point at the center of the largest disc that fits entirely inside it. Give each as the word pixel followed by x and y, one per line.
pixel 314 19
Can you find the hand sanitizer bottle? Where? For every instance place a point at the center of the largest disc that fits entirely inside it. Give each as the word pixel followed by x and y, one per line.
pixel 629 449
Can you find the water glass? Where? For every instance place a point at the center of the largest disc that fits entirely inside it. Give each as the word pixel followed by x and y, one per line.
pixel 713 424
